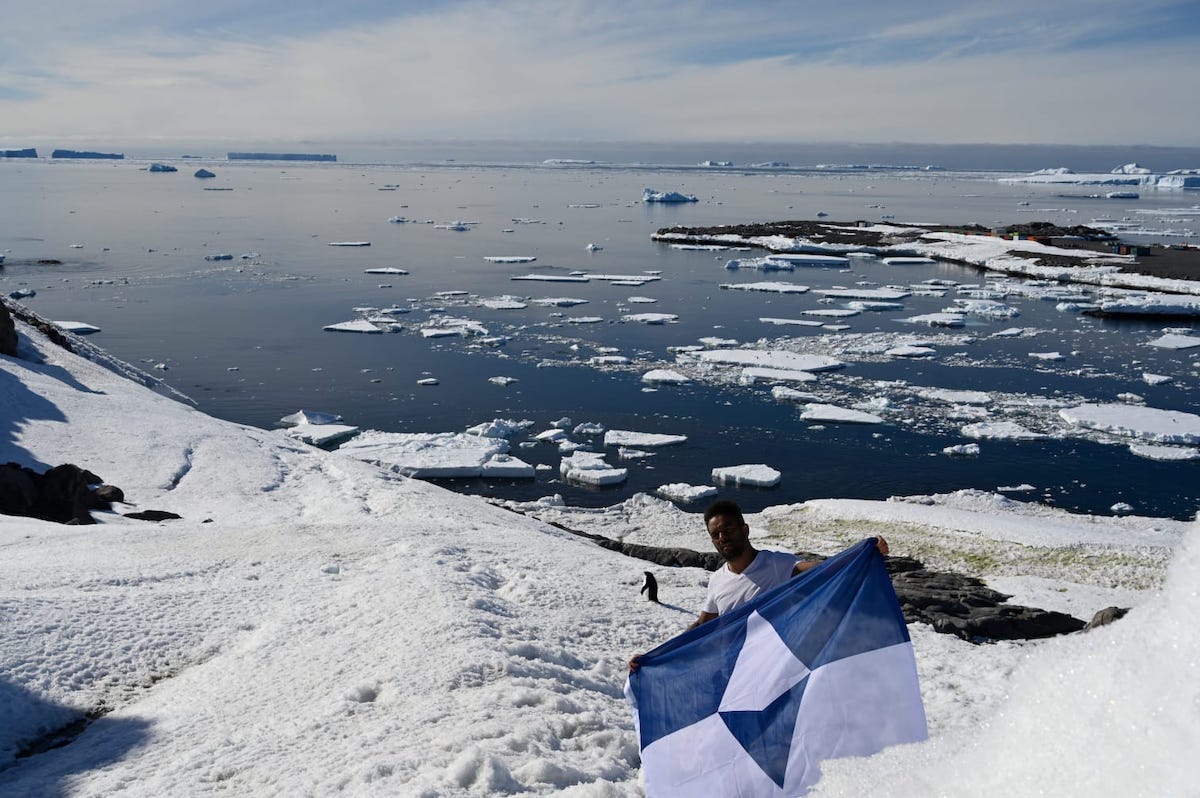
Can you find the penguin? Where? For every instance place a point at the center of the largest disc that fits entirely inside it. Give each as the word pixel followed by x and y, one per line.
pixel 650 587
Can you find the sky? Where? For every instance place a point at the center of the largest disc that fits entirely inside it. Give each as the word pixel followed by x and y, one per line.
pixel 1026 71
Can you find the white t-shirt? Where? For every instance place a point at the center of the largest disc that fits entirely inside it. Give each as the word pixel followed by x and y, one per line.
pixel 728 591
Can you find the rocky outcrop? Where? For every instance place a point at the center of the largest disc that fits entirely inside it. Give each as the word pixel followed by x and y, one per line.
pixel 8 332
pixel 62 494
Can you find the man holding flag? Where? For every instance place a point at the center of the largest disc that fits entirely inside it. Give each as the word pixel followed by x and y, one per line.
pixel 777 673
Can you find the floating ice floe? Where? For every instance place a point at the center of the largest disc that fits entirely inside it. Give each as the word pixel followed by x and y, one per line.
pixel 910 350
pixel 756 475
pixel 1048 355
pixel 956 397
pixel 768 287
pixel 449 326
pixel 509 258
pixel 1155 379
pixel 908 261
pixel 502 381
pixel 790 322
pixel 831 313
pixel 1143 423
pixel 838 415
pixel 426 455
pixel 349 243
pixel 589 468
pixel 785 262
pixel 428 381
pixel 650 318
pixel 1001 430
pixel 505 466
pixel 713 342
pixel 641 300
pixel 623 279
pixel 397 219
pixel 608 360
pixel 684 493
pixel 985 307
pixel 503 303
pixel 559 301
pixel 219 256
pixel 645 440
pixel 1165 453
pixel 551 278
pixel 664 377
pixel 786 361
pixel 783 393
pixel 937 319
pixel 583 319
pixel 322 434
pixel 386 270
pixel 962 450
pixel 309 418
pixel 1151 305
pixel 589 428
pixel 885 294
pixel 357 326
pixel 499 428
pixel 752 374
pixel 866 304
pixel 77 327
pixel 1176 341
pixel 650 195
pixel 551 436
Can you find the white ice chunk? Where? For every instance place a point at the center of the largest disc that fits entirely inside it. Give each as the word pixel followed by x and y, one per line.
pixel 309 417
pixel 650 195
pixel 956 397
pixel 783 393
pixel 349 243
pixel 684 493
pixel 910 350
pixel 645 440
pixel 792 322
pixel 1143 423
pixel 787 361
pixel 386 270
pixel 1176 341
pixel 1048 355
pixel 1155 379
pixel 322 434
pixel 908 261
pixel 962 450
pixel 1165 453
pixel 1002 430
pixel 665 377
pixel 509 258
pixel 503 303
pixel 552 278
pixel 589 468
pixel 884 294
pixel 77 327
pixel 502 381
pixel 757 475
pixel 651 318
pixel 768 287
pixel 551 436
pixel 505 466
pixel 937 319
pixel 838 415
pixel 752 374
pixel 357 326
pixel 559 301
pixel 499 428
pixel 426 455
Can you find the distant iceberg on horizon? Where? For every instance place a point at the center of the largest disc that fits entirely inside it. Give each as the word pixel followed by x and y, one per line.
pixel 1130 174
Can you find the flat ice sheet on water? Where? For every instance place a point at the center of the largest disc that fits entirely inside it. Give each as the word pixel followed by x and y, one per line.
pixel 838 415
pixel 357 326
pixel 644 440
pixel 1003 430
pixel 426 455
pixel 589 468
pixel 322 434
pixel 684 493
pixel 755 475
pixel 1165 453
pixel 768 287
pixel 1143 423
pixel 785 361
pixel 1176 341
pixel 665 377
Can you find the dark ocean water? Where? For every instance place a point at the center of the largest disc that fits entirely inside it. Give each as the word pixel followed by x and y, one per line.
pixel 243 337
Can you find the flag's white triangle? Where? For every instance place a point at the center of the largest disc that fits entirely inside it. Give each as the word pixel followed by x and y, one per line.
pixel 766 669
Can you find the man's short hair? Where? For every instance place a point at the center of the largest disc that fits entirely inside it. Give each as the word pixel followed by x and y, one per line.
pixel 726 507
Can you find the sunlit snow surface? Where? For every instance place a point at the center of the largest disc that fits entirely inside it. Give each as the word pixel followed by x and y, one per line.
pixel 315 624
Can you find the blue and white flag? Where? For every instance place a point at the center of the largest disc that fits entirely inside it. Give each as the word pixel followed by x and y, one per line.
pixel 750 703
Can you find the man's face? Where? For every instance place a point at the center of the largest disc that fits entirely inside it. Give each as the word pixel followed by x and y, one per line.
pixel 729 536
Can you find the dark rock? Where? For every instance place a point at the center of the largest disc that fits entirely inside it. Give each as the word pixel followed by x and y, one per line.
pixel 18 489
pixel 109 494
pixel 8 332
pixel 65 495
pixel 153 515
pixel 1105 616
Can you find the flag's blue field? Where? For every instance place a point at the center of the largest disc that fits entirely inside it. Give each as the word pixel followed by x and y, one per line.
pixel 750 703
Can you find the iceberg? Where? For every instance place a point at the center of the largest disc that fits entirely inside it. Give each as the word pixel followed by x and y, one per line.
pixel 77 327
pixel 962 450
pixel 650 318
pixel 757 475
pixel 499 428
pixel 650 195
pixel 769 287
pixel 203 174
pixel 1142 423
pixel 161 167
pixel 1176 341
pixel 509 258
